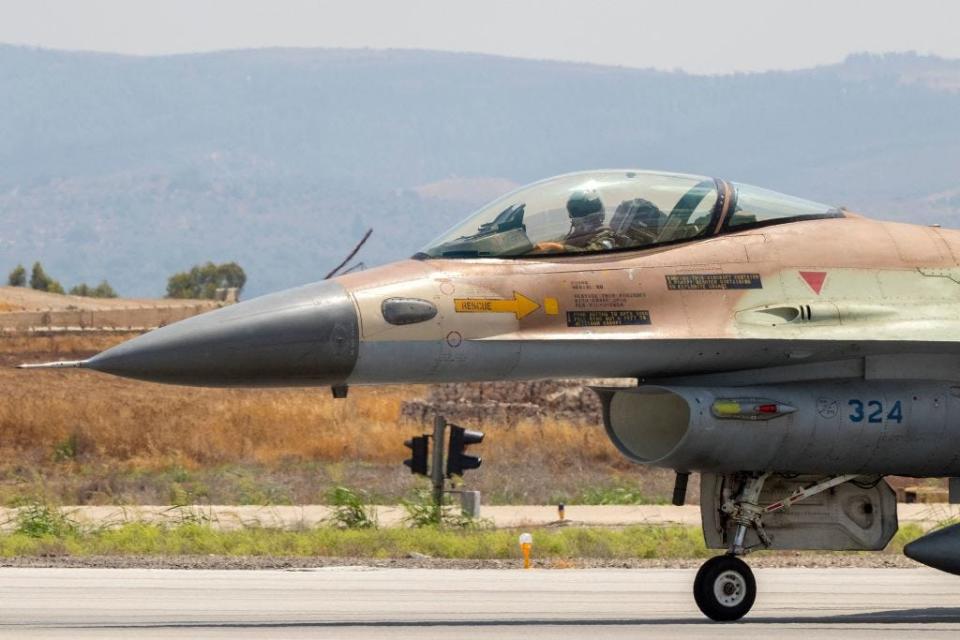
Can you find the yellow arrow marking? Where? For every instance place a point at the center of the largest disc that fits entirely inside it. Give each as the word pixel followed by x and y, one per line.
pixel 521 306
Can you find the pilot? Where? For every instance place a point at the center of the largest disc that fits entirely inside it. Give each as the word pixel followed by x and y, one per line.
pixel 587 231
pixel 638 222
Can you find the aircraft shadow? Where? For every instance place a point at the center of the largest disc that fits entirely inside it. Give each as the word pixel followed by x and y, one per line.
pixel 927 615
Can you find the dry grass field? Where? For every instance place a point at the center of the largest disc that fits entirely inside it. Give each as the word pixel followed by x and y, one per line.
pixel 81 437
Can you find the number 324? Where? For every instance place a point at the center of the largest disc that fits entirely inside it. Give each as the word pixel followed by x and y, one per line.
pixel 872 410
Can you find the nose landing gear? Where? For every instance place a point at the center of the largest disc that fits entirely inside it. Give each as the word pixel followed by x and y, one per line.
pixel 724 588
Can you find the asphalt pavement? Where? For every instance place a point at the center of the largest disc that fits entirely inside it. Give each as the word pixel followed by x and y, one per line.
pixel 358 602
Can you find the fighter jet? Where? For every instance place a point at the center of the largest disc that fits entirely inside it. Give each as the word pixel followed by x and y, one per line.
pixel 792 353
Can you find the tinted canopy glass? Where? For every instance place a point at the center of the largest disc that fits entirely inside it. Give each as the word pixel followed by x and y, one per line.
pixel 585 212
pixel 756 206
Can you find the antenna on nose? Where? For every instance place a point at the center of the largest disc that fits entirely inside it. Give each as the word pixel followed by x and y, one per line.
pixel 349 257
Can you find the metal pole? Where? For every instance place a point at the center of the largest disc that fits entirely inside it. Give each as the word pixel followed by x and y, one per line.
pixel 436 470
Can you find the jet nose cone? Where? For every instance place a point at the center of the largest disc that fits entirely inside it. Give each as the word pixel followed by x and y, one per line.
pixel 300 337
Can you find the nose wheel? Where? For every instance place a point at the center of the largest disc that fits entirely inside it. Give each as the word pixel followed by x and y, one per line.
pixel 724 588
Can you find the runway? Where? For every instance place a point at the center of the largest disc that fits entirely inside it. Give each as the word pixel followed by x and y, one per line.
pixel 357 602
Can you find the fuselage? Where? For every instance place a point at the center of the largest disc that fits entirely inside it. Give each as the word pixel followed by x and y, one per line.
pixel 798 292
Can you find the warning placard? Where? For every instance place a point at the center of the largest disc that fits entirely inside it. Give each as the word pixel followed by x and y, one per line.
pixel 705 281
pixel 607 317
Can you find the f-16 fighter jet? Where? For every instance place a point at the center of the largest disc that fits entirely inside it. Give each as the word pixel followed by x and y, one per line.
pixel 791 352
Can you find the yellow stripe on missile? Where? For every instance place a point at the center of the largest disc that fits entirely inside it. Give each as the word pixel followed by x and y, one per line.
pixel 727 407
pixel 521 306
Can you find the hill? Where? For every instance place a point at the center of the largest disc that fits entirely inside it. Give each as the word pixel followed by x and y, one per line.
pixel 131 168
pixel 15 299
pixel 25 312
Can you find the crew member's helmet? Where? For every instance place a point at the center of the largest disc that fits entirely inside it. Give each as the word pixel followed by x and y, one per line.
pixel 583 203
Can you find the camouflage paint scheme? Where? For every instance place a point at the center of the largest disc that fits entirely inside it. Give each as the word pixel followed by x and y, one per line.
pixel 821 291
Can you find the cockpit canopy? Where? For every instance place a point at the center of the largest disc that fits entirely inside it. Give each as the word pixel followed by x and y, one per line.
pixel 615 210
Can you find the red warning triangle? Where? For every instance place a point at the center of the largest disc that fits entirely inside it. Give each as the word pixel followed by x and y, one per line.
pixel 814 279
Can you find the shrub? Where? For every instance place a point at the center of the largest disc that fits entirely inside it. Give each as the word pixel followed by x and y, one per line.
pixel 350 510
pixel 422 511
pixel 38 519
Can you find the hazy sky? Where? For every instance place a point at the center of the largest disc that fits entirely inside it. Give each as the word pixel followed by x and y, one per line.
pixel 700 36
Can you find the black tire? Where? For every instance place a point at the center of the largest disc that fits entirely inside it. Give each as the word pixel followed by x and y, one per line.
pixel 724 588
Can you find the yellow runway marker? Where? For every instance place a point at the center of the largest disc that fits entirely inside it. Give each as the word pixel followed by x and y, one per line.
pixel 526 547
pixel 521 305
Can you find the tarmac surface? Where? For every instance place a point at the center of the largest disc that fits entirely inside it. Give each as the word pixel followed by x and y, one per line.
pixel 361 602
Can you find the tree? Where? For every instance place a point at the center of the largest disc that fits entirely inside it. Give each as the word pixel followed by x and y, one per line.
pixel 38 277
pixel 202 281
pixel 18 277
pixel 40 281
pixel 231 275
pixel 102 290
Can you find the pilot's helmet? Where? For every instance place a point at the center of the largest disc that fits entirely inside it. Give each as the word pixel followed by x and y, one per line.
pixel 583 203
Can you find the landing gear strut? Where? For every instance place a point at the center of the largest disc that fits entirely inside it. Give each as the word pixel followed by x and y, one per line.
pixel 724 588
